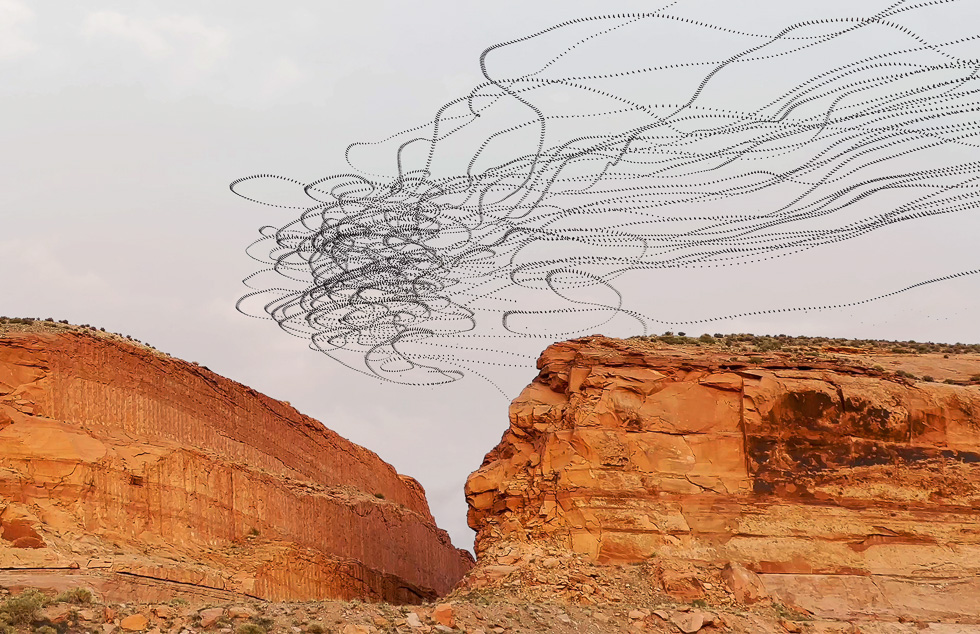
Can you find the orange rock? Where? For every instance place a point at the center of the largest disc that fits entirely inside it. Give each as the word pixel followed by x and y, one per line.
pixel 241 612
pixel 19 531
pixel 443 615
pixel 175 474
pixel 86 614
pixel 499 571
pixel 134 623
pixel 846 490
pixel 680 586
pixel 210 616
pixel 790 626
pixel 56 613
pixel 744 584
pixel 688 622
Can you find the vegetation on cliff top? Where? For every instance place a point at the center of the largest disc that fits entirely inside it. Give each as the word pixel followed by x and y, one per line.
pixel 869 353
pixel 738 342
pixel 49 323
pixel 743 342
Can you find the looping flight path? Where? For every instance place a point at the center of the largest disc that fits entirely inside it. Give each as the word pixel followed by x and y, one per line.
pixel 614 144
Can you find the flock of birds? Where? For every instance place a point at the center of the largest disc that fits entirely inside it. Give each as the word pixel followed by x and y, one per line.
pixel 608 145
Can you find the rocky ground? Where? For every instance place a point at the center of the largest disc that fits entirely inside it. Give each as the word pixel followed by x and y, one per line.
pixel 910 505
pixel 540 590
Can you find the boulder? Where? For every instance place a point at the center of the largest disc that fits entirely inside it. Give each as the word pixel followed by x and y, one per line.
pixel 56 614
pixel 134 623
pixel 690 622
pixel 744 584
pixel 210 616
pixel 413 621
pixel 443 615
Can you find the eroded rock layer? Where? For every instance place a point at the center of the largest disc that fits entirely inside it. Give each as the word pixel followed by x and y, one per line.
pixel 845 489
pixel 124 465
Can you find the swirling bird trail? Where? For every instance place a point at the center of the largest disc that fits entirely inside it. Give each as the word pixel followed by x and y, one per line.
pixel 614 144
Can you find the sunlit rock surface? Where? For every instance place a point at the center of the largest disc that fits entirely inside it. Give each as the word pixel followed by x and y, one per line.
pixel 847 490
pixel 148 477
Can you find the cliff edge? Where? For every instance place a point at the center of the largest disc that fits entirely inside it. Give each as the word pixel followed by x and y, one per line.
pixel 146 477
pixel 834 483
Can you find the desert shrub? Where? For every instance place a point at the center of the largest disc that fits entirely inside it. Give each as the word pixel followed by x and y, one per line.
pixel 250 628
pixel 789 613
pixel 22 609
pixel 949 382
pixel 768 345
pixel 746 342
pixel 316 628
pixel 263 622
pixel 75 595
pixel 678 339
pixel 928 378
pixel 45 629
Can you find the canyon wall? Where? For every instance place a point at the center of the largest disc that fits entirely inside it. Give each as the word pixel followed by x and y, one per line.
pixel 140 473
pixel 836 486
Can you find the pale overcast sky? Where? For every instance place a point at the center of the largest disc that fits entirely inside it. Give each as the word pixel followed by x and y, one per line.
pixel 124 121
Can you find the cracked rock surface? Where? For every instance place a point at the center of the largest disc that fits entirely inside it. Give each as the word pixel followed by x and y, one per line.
pixel 147 478
pixel 836 486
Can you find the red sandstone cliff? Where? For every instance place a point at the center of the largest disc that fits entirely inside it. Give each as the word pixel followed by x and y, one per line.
pixel 834 486
pixel 143 475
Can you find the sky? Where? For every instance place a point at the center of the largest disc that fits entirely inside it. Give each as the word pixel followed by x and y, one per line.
pixel 122 123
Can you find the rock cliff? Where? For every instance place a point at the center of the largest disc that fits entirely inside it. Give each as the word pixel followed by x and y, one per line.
pixel 835 484
pixel 144 476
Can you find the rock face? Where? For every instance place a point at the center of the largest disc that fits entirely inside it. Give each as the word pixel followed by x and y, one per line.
pixel 835 487
pixel 133 472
